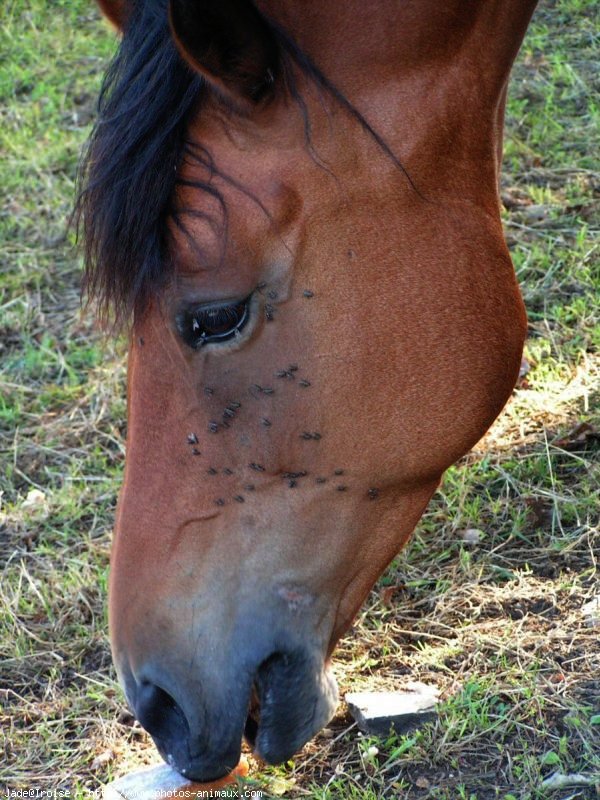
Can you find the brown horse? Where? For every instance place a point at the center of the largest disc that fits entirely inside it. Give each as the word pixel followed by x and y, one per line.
pixel 298 204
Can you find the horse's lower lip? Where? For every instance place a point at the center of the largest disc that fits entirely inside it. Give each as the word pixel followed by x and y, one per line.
pixel 293 696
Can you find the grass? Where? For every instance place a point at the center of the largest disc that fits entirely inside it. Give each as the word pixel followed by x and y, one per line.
pixel 485 603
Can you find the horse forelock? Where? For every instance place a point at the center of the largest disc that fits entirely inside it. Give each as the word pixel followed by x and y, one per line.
pixel 129 170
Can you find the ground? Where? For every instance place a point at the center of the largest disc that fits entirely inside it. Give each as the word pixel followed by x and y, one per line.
pixel 488 601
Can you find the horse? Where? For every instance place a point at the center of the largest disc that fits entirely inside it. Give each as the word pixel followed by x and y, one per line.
pixel 293 210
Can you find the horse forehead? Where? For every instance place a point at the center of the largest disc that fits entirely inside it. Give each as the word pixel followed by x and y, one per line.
pixel 293 158
pixel 245 148
pixel 250 185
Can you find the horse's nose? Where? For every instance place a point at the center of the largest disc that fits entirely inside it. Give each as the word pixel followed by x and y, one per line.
pixel 276 702
pixel 165 721
pixel 160 715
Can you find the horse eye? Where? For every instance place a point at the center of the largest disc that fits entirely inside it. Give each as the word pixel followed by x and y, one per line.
pixel 217 323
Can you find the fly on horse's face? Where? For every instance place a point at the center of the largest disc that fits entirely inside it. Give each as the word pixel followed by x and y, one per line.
pixel 336 322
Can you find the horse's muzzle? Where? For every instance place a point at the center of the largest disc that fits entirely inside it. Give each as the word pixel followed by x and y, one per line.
pixel 288 698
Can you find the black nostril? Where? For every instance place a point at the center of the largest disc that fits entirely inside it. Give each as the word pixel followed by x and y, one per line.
pixel 160 715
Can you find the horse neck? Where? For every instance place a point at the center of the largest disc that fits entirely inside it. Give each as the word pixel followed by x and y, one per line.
pixel 430 76
pixel 353 39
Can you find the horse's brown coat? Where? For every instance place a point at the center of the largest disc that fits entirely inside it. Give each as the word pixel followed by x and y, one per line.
pixel 394 295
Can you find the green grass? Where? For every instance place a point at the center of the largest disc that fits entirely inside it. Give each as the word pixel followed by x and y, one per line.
pixel 494 622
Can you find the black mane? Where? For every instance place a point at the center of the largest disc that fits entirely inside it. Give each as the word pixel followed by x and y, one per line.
pixel 128 174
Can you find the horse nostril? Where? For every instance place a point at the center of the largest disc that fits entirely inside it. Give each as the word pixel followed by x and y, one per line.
pixel 160 715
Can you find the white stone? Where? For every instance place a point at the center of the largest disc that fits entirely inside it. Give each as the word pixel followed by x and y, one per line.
pixel 591 612
pixel 150 783
pixel 378 712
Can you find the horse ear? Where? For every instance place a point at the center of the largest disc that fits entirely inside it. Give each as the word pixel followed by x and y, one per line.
pixel 114 10
pixel 230 44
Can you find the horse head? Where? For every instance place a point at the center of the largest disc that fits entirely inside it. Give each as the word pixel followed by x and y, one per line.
pixel 297 204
